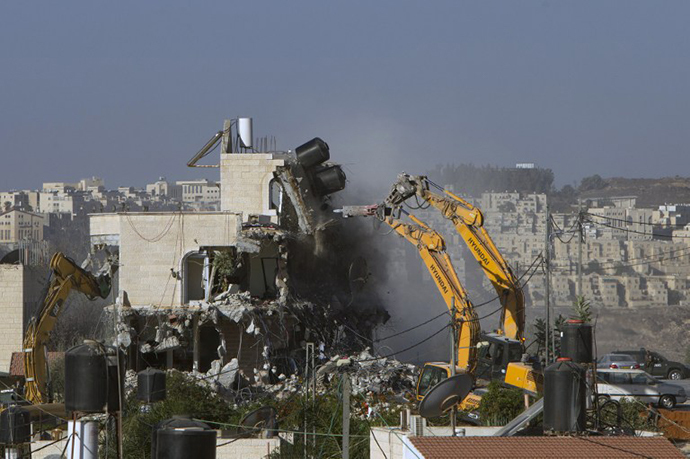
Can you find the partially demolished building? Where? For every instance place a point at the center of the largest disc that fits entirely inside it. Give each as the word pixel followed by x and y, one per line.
pixel 242 289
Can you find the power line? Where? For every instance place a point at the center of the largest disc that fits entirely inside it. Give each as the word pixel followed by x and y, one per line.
pixel 660 258
pixel 627 230
pixel 439 331
pixel 628 222
pixel 406 349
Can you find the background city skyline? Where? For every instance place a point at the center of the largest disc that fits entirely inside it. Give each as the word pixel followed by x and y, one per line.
pixel 130 92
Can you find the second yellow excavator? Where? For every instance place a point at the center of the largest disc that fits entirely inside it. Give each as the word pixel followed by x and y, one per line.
pixel 66 275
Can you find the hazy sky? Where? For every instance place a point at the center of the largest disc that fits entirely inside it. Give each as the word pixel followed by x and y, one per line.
pixel 130 90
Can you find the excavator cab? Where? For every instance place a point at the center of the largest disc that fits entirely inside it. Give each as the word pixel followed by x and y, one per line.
pixel 494 354
pixel 435 372
pixel 432 374
pixel 500 358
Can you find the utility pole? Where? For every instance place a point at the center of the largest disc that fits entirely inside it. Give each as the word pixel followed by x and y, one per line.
pixel 580 237
pixel 308 373
pixel 346 416
pixel 453 356
pixel 547 268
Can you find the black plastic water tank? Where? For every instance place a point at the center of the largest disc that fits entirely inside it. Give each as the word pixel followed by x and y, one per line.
pixel 564 397
pixel 151 385
pixel 329 179
pixel 115 380
pixel 312 153
pixel 86 378
pixel 15 426
pixel 183 438
pixel 576 341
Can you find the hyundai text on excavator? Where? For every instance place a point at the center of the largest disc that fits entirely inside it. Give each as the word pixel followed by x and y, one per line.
pixel 66 275
pixel 488 356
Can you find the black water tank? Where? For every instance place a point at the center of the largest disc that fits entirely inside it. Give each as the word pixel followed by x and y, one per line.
pixel 151 385
pixel 576 341
pixel 329 179
pixel 86 378
pixel 565 396
pixel 312 153
pixel 15 426
pixel 183 438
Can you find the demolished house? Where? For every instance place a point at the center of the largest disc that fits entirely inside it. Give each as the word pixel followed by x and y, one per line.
pixel 236 294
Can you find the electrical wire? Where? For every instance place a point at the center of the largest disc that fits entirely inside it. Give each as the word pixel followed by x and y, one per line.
pixel 406 349
pixel 620 264
pixel 627 230
pixel 676 225
pixel 378 340
pixel 298 432
pixel 537 258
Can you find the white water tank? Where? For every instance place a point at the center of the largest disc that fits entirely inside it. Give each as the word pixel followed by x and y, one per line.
pixel 245 132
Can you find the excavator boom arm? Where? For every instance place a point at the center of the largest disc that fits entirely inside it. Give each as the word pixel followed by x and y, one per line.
pixel 431 247
pixel 66 276
pixel 468 221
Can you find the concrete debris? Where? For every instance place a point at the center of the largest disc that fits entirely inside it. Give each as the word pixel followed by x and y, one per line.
pixel 369 376
pixel 228 374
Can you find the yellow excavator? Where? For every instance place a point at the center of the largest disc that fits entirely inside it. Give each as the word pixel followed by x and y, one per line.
pixel 432 249
pixel 500 353
pixel 66 275
pixel 488 356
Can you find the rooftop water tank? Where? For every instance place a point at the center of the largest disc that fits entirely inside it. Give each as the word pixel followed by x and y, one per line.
pixel 15 426
pixel 86 378
pixel 576 341
pixel 564 397
pixel 312 153
pixel 183 438
pixel 329 179
pixel 151 385
pixel 245 132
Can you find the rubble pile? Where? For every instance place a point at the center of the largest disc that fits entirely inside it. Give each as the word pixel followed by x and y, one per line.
pixel 384 382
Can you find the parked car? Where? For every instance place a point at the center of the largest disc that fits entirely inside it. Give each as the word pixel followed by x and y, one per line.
pixel 657 365
pixel 617 384
pixel 614 361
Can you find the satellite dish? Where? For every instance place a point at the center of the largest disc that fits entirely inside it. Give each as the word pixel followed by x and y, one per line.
pixel 444 395
pixel 10 258
pixel 358 274
pixel 263 418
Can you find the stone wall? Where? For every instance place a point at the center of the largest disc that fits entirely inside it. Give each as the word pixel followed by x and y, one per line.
pixel 12 310
pixel 245 182
pixel 246 448
pixel 154 245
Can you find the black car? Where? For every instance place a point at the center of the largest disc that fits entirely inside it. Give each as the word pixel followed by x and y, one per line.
pixel 657 365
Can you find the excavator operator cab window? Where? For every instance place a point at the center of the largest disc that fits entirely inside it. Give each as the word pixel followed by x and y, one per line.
pixel 514 352
pixel 498 354
pixel 430 377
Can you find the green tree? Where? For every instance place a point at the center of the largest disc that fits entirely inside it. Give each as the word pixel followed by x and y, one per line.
pixel 540 335
pixel 582 309
pixel 499 405
pixel 594 182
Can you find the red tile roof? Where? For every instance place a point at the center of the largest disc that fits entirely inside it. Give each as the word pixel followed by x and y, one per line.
pixel 545 447
pixel 17 362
